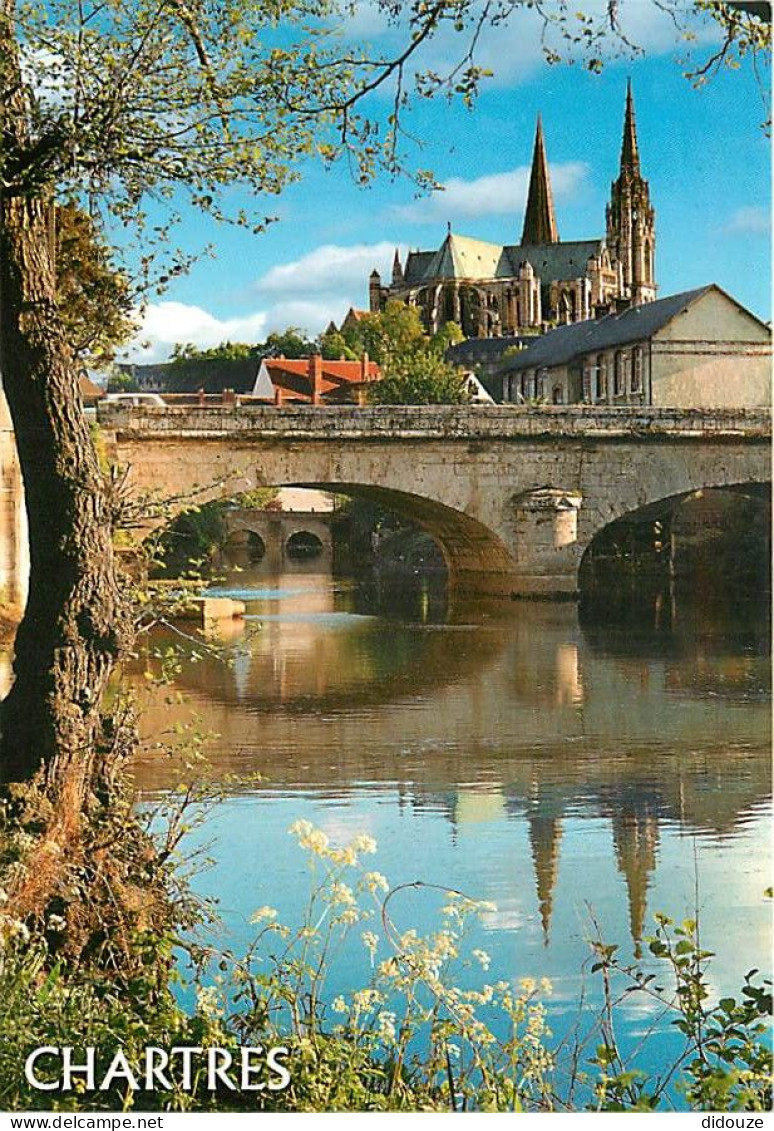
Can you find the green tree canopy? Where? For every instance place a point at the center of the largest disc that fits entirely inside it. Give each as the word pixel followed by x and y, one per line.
pixel 414 369
pixel 96 299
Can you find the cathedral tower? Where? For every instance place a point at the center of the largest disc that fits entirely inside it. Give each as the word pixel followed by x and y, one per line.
pixel 631 232
pixel 539 219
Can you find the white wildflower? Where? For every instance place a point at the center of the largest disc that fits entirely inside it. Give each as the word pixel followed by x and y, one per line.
pixel 387 1022
pixel 482 957
pixel 263 913
pixel 375 881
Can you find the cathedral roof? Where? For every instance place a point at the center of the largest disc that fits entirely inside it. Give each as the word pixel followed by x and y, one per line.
pixel 462 257
pixel 634 325
pixel 416 266
pixel 553 260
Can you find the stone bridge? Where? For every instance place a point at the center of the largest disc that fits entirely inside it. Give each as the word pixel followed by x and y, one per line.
pixel 513 495
pixel 279 532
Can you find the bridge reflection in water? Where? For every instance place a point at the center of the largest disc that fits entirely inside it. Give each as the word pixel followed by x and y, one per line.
pixel 539 763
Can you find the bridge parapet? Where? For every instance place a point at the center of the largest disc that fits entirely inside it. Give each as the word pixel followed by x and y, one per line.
pixel 512 495
pixel 436 422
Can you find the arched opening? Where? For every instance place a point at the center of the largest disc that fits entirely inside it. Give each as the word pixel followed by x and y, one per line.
pixel 711 546
pixel 303 546
pixel 245 543
pixel 472 555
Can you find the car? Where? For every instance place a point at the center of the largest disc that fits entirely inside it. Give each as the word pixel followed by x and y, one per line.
pixel 135 400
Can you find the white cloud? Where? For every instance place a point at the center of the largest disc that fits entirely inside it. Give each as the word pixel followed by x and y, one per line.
pixel 749 220
pixel 166 323
pixel 491 195
pixel 328 269
pixel 308 292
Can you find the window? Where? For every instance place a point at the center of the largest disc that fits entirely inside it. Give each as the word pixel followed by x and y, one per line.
pixel 602 377
pixel 637 369
pixel 557 395
pixel 619 385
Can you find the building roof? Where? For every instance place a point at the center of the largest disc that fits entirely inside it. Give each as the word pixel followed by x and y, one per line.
pixel 638 323
pixel 191 374
pixel 416 266
pixel 334 371
pixel 485 351
pixel 295 375
pixel 553 260
pixel 462 257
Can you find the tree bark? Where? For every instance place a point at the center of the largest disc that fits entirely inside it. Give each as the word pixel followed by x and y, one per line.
pixel 73 626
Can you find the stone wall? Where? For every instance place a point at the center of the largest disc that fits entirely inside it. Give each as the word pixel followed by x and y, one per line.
pixel 512 495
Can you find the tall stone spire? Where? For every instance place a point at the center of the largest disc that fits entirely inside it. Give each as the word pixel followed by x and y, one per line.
pixel 630 156
pixel 631 219
pixel 539 218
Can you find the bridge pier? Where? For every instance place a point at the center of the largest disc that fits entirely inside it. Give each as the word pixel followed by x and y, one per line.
pixel 512 495
pixel 547 551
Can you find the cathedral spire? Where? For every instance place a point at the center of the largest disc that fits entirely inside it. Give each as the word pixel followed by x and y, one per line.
pixel 631 219
pixel 539 219
pixel 630 156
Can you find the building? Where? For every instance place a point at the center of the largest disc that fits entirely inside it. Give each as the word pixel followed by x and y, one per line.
pixel 314 380
pixel 492 289
pixel 697 349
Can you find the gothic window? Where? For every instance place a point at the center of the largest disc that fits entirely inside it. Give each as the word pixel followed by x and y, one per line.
pixel 558 395
pixel 588 378
pixel 637 369
pixel 602 377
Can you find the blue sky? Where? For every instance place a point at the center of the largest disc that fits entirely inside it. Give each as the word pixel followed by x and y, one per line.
pixel 703 151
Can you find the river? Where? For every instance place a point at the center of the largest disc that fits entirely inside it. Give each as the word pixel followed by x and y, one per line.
pixel 570 773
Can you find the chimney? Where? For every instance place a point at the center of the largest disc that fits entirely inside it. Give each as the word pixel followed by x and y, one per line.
pixel 278 395
pixel 315 377
pixel 364 375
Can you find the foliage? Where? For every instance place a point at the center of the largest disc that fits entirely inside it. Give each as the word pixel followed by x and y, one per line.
pixel 95 300
pixel 423 378
pixel 122 382
pixel 414 369
pixel 136 101
pixel 290 342
pixel 424 1035
pixel 338 344
pixel 725 1064
pixel 226 351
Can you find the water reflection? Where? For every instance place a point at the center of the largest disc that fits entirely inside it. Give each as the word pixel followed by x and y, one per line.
pixel 506 749
pixel 504 714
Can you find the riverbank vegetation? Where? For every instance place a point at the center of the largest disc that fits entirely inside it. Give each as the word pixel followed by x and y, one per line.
pixel 121 959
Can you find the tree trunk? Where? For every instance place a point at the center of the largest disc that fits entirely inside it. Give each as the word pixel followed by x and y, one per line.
pixel 73 626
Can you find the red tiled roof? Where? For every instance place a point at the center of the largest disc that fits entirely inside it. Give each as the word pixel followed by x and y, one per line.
pixel 334 372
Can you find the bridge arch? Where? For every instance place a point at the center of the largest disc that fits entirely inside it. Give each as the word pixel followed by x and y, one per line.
pixel 303 544
pixel 650 534
pixel 512 495
pixel 471 551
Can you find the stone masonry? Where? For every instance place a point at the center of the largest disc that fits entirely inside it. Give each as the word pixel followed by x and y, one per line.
pixel 512 495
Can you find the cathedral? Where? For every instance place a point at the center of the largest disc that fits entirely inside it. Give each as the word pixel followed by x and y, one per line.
pixel 491 290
